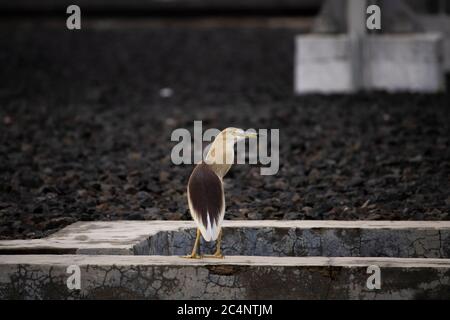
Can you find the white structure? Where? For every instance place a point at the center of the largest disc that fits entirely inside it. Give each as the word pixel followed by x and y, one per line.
pixel 390 62
pixel 347 62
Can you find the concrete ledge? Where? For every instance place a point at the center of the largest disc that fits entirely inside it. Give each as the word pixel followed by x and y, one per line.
pixel 264 260
pixel 416 239
pixel 243 277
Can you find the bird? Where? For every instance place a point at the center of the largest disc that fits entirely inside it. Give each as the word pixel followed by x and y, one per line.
pixel 205 192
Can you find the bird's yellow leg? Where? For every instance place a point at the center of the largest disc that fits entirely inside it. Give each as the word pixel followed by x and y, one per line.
pixel 194 254
pixel 218 254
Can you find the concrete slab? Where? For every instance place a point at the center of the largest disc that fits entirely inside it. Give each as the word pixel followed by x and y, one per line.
pixel 411 62
pixel 439 23
pixel 240 277
pixel 421 239
pixel 322 64
pixel 400 62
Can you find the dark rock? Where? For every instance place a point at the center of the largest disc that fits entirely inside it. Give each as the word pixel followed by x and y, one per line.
pixel 356 182
pixel 30 180
pixel 142 195
pixel 292 216
pixel 59 222
pixel 130 189
pixel 314 176
pixel 258 216
pixel 76 151
pixel 136 216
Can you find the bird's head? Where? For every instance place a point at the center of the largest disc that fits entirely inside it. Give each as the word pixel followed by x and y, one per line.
pixel 222 149
pixel 237 134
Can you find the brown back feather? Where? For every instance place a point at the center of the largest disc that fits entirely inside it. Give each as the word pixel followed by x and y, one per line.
pixel 205 193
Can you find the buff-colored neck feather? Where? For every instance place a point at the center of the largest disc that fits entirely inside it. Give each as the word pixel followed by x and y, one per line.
pixel 220 156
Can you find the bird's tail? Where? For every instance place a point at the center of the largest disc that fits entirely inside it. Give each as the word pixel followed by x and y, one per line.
pixel 211 230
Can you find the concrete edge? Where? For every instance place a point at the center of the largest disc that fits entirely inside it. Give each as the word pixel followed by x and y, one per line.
pixel 120 237
pixel 119 260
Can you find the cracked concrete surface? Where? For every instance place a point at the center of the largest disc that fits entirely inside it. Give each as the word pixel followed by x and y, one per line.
pixel 264 260
pixel 244 277
pixel 332 242
pixel 426 239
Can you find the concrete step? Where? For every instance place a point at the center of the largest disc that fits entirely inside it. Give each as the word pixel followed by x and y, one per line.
pixel 403 239
pixel 264 260
pixel 235 277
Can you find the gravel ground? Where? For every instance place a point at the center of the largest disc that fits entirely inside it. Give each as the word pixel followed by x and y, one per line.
pixel 85 134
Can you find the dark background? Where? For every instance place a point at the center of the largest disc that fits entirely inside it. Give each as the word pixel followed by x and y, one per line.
pixel 85 132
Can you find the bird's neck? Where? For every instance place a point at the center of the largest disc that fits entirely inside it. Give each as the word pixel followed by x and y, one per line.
pixel 220 156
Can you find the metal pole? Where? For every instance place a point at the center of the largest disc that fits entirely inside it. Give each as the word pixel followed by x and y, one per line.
pixel 356 30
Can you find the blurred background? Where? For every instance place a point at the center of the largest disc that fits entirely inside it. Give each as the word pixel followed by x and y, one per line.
pixel 86 115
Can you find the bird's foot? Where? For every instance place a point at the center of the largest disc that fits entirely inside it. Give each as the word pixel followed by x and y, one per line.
pixel 192 256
